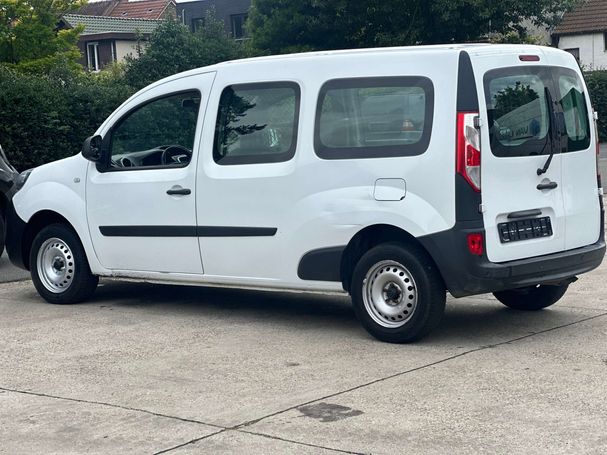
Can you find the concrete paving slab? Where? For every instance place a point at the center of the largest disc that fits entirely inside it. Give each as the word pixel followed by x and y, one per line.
pixel 543 394
pixel 222 356
pixel 234 442
pixel 33 424
pixel 8 272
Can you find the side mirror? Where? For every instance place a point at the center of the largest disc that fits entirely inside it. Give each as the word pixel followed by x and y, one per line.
pixel 91 149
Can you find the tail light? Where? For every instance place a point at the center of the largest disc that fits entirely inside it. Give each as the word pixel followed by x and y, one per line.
pixel 469 149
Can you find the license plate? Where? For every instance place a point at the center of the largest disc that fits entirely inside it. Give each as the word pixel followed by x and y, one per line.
pixel 533 228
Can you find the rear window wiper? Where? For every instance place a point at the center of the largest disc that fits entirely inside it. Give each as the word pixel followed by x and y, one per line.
pixel 544 169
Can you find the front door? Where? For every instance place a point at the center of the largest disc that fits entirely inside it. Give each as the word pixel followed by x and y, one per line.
pixel 141 201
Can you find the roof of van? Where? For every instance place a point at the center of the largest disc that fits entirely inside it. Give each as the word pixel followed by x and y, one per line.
pixel 477 48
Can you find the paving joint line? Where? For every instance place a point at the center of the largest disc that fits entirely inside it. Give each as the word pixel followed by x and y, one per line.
pixel 412 370
pixel 111 405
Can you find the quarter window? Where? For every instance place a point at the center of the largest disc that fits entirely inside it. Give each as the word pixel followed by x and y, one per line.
pixel 257 123
pixel 159 133
pixel 374 117
pixel 575 112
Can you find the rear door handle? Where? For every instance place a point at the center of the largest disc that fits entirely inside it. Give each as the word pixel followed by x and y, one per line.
pixel 547 186
pixel 178 191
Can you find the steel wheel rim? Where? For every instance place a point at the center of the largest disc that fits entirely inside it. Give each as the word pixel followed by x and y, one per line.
pixel 55 265
pixel 390 294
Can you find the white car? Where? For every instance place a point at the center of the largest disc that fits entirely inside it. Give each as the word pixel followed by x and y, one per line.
pixel 393 175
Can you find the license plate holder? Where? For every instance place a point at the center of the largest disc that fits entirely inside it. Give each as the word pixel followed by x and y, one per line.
pixel 531 228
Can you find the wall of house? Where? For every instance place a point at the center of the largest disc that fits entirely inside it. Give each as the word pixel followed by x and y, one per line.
pixel 186 12
pixel 591 46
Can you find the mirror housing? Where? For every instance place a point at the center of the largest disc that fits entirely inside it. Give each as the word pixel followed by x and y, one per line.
pixel 91 149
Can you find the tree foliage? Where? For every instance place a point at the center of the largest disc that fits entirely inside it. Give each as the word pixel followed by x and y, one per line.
pixel 172 48
pixel 282 26
pixel 29 39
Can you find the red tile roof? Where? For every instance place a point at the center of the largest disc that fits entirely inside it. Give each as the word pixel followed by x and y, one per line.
pixel 102 8
pixel 590 16
pixel 142 9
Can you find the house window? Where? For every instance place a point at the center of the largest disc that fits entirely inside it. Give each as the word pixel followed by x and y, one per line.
pixel 238 29
pixel 92 55
pixel 605 41
pixel 575 52
pixel 197 24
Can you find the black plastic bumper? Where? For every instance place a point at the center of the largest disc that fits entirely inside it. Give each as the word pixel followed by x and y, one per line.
pixel 15 231
pixel 465 274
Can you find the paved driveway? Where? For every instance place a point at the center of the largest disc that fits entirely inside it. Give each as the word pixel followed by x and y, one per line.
pixel 156 369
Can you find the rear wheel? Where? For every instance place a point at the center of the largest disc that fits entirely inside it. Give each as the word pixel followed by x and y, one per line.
pixel 532 298
pixel 397 293
pixel 60 270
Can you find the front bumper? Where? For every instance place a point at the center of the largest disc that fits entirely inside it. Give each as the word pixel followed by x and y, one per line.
pixel 465 274
pixel 15 233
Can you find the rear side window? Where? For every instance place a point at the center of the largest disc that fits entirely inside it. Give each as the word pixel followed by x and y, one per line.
pixel 374 117
pixel 257 123
pixel 518 110
pixel 575 112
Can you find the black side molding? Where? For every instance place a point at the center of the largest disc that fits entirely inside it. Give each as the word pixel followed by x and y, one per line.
pixel 323 264
pixel 186 231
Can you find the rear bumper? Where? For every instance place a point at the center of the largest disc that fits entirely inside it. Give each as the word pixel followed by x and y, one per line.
pixel 15 231
pixel 465 274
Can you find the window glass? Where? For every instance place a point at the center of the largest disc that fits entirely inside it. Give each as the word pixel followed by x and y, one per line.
pixel 159 133
pixel 257 123
pixel 575 112
pixel 365 118
pixel 518 111
pixel 238 25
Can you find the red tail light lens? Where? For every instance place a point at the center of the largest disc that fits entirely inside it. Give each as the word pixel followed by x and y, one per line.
pixel 469 149
pixel 598 149
pixel 475 244
pixel 529 58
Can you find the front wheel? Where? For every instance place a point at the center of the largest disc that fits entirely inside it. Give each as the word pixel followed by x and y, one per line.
pixel 60 270
pixel 398 294
pixel 532 298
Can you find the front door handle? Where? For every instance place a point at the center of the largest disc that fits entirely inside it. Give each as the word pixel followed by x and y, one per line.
pixel 178 191
pixel 547 186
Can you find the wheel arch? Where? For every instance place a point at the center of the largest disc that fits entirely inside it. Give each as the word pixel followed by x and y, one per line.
pixel 372 236
pixel 36 223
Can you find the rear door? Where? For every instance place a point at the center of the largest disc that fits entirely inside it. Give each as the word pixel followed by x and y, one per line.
pixel 524 213
pixel 579 182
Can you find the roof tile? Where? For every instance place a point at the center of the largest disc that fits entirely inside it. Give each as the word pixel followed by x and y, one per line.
pixel 590 16
pixel 101 24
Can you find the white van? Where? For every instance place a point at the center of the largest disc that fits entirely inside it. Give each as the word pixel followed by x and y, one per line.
pixel 394 175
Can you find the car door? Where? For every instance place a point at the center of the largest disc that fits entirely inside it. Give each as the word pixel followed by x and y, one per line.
pixel 523 207
pixel 141 200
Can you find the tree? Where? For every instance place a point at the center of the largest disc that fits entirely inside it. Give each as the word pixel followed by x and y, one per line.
pixel 29 39
pixel 172 48
pixel 279 26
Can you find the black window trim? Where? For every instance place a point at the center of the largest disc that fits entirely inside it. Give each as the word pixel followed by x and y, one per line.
pixel 105 164
pixel 263 158
pixel 389 151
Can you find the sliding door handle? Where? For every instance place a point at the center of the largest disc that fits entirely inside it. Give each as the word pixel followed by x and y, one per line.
pixel 178 191
pixel 547 186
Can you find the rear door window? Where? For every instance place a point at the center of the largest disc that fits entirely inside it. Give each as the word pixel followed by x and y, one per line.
pixel 575 111
pixel 518 111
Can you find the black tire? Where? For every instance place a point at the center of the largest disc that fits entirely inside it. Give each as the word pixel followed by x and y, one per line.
pixel 417 302
pixel 2 234
pixel 68 278
pixel 531 298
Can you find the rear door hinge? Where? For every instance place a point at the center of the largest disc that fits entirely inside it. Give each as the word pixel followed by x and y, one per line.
pixel 481 208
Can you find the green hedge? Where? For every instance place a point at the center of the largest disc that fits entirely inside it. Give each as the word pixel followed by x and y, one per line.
pixel 597 87
pixel 45 118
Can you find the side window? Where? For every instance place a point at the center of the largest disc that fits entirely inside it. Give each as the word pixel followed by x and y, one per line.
pixel 374 117
pixel 573 103
pixel 257 123
pixel 159 133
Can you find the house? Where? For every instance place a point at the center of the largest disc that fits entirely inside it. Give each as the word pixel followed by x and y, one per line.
pixel 583 33
pixel 108 39
pixel 233 13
